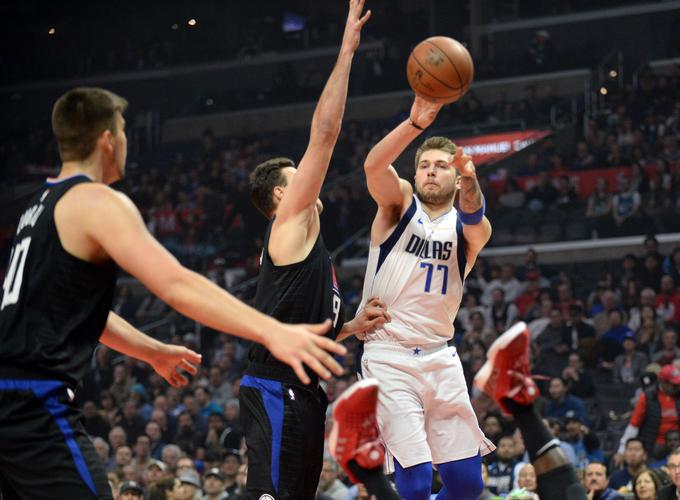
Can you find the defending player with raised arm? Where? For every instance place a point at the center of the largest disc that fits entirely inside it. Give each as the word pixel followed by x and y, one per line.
pixel 283 420
pixel 423 245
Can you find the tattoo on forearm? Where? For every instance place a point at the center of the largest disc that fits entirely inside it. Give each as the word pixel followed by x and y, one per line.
pixel 470 196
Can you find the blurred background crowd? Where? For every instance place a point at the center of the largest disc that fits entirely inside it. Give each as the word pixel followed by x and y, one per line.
pixel 586 218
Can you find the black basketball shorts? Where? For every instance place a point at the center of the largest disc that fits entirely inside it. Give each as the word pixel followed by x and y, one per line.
pixel 284 429
pixel 44 450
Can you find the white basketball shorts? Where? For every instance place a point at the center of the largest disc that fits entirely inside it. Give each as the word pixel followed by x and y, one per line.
pixel 424 410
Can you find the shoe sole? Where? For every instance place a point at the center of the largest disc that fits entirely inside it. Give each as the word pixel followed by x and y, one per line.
pixel 498 345
pixel 365 384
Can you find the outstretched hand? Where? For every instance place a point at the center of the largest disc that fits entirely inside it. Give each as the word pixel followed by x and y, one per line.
pixel 355 21
pixel 298 344
pixel 171 359
pixel 423 112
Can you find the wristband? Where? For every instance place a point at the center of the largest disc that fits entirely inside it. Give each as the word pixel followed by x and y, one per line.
pixel 474 217
pixel 413 124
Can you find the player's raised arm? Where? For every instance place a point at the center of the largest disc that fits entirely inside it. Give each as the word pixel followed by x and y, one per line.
pixel 384 184
pixel 471 207
pixel 126 240
pixel 326 122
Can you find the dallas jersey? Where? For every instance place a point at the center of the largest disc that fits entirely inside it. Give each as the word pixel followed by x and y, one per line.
pixel 418 272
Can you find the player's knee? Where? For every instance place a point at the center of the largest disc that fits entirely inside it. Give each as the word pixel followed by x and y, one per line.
pixel 463 478
pixel 414 483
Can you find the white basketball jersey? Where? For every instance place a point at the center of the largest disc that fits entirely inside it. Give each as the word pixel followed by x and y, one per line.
pixel 418 272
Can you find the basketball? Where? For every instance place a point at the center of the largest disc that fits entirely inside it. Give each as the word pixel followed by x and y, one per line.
pixel 440 69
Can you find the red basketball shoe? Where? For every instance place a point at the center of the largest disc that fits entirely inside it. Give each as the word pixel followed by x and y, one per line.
pixel 506 372
pixel 355 429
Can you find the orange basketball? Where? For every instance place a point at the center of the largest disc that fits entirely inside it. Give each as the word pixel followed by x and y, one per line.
pixel 440 69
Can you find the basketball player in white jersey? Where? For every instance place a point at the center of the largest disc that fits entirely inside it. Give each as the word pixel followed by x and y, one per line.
pixel 422 247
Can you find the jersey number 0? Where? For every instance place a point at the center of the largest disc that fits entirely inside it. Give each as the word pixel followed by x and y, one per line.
pixel 15 273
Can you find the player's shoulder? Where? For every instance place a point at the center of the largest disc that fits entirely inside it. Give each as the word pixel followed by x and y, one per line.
pixel 93 197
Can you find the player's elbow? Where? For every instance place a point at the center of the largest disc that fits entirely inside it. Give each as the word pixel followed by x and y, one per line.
pixel 325 132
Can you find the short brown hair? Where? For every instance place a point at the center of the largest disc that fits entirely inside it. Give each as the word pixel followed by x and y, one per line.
pixel 264 179
pixel 435 142
pixel 80 116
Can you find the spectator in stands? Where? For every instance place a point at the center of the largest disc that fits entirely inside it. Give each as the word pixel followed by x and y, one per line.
pixel 122 457
pixel 579 382
pixel 213 485
pixel 566 194
pixel 541 51
pixel 555 427
pixel 630 365
pixel 117 438
pixel 131 422
pixel 626 206
pixel 512 197
pixel 187 437
pixel 527 478
pixel 122 383
pixel 560 402
pixel 130 490
pixel 651 273
pixel 656 412
pixel 486 494
pixel 646 485
pixel 672 442
pixel 672 491
pixel 168 488
pixel 155 470
pixel 528 298
pixel 579 334
pixel 553 353
pixel 611 342
pixel 668 351
pixel 190 484
pixel 153 430
pixel 585 443
pixel 668 300
pixel 218 387
pixel 601 318
pixel 142 456
pixel 329 483
pixel 502 312
pixel 206 406
pixel 635 461
pixel 673 267
pixel 596 483
pixel 102 448
pixel 501 469
pixel 542 196
pixel 583 160
pixel 506 281
pixel 93 422
pixel 170 456
pixel 599 209
pixel 492 427
pixel 542 319
pixel 231 463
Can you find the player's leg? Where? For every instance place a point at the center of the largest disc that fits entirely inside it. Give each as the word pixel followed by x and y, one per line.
pixel 506 378
pixel 45 450
pixel 283 427
pixel 414 482
pixel 453 432
pixel 401 418
pixel 461 479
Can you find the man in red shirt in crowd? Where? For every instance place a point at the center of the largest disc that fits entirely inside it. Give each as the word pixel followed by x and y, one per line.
pixel 656 412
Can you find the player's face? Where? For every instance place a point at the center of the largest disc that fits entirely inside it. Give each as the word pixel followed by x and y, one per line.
pixel 435 178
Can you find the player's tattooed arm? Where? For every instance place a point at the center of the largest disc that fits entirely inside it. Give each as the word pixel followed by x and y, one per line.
pixel 469 192
pixel 373 315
